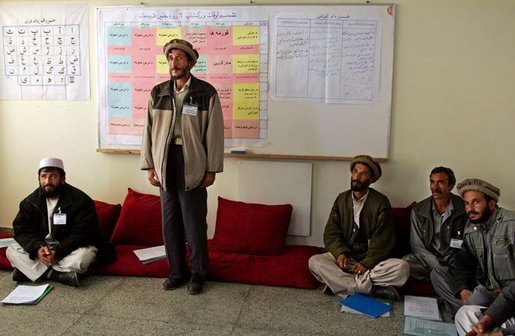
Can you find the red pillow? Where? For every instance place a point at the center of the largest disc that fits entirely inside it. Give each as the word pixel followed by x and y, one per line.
pixel 140 220
pixel 249 228
pixel 107 217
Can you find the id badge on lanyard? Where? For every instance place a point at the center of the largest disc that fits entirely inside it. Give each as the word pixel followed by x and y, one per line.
pixel 59 218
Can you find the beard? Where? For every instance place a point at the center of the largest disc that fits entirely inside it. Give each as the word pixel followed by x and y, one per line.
pixel 355 185
pixel 50 192
pixel 180 73
pixel 483 218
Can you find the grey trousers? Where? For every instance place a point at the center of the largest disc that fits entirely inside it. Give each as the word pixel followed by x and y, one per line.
pixel 481 296
pixel 420 268
pixel 184 221
pixel 389 272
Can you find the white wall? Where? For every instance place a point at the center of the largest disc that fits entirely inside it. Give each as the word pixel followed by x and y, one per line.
pixel 453 105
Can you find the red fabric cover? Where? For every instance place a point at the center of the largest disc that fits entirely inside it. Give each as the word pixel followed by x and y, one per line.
pixel 129 265
pixel 4 262
pixel 288 269
pixel 107 216
pixel 402 224
pixel 418 287
pixel 251 228
pixel 140 221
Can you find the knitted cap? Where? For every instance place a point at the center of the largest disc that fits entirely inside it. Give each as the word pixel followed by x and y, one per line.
pixel 184 46
pixel 368 161
pixel 479 185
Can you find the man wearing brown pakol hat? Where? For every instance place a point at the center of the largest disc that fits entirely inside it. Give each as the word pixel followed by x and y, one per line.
pixel 485 263
pixel 182 150
pixel 359 239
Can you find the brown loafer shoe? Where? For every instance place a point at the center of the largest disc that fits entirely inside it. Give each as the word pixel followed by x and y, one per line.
pixel 196 285
pixel 172 283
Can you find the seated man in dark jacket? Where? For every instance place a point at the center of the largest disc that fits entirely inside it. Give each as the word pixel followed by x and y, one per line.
pixel 359 239
pixel 480 320
pixel 56 230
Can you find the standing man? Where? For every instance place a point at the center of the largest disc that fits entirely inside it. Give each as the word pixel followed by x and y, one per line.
pixel 183 146
pixel 437 225
pixel 359 237
pixel 485 263
pixel 56 230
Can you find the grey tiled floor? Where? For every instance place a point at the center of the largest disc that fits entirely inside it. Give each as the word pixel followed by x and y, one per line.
pixel 108 305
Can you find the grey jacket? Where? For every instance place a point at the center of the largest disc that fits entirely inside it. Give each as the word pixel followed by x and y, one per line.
pixel 487 256
pixel 202 135
pixel 422 231
pixel 503 308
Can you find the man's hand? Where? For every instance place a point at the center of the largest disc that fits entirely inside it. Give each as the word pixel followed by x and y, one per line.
pixel 464 294
pixel 341 261
pixel 345 264
pixel 208 180
pixel 358 268
pixel 152 178
pixel 46 256
pixel 481 327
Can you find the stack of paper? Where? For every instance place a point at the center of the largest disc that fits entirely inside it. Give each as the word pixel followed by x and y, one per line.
pixel 150 254
pixel 24 294
pixel 422 307
pixel 423 318
pixel 365 305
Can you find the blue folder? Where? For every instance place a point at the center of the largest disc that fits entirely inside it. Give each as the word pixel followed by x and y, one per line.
pixel 365 304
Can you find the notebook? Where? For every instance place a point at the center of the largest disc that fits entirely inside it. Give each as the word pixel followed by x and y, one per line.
pixel 365 304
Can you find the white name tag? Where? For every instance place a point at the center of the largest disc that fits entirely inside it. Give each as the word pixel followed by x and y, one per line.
pixel 456 243
pixel 59 219
pixel 190 110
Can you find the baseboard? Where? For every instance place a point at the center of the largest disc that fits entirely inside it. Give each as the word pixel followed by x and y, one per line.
pixel 6 230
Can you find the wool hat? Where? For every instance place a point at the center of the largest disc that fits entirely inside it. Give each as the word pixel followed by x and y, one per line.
pixel 368 161
pixel 184 46
pixel 51 162
pixel 479 185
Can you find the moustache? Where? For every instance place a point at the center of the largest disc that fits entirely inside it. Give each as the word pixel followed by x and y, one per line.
pixel 472 213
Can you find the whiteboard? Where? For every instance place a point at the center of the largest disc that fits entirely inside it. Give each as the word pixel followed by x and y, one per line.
pixel 312 107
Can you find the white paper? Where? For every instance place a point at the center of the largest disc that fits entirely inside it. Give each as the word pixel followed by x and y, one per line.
pixel 4 242
pixel 420 327
pixel 44 54
pixel 150 254
pixel 25 294
pixel 422 307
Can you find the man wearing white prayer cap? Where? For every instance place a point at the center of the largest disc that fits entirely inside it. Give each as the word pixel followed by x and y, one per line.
pixel 56 230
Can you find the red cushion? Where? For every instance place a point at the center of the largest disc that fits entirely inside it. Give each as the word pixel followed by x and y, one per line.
pixel 402 224
pixel 129 265
pixel 250 228
pixel 140 221
pixel 4 262
pixel 107 217
pixel 288 269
